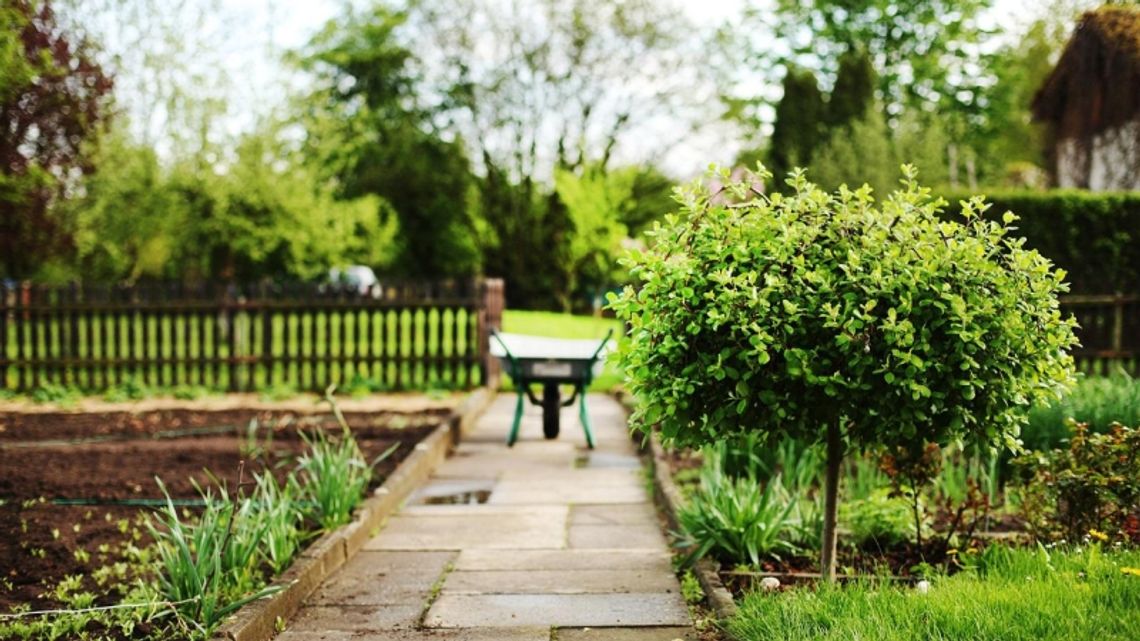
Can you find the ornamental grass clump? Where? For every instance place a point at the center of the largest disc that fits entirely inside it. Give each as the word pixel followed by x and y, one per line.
pixel 838 319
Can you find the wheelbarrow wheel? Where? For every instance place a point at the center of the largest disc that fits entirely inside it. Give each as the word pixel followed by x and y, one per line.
pixel 551 407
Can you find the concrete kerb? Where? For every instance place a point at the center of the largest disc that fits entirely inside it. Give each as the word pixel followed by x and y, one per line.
pixel 669 499
pixel 259 621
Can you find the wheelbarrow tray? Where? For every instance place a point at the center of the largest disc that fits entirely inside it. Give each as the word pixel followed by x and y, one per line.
pixel 550 362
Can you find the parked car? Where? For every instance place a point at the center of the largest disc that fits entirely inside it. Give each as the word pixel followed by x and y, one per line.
pixel 358 280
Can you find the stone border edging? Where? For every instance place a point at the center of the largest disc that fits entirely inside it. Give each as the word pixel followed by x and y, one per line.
pixel 258 621
pixel 669 498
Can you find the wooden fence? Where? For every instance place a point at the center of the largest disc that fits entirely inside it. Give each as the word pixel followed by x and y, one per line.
pixel 399 335
pixel 396 335
pixel 1109 332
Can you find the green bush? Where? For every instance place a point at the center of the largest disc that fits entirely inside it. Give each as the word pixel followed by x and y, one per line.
pixel 1090 488
pixel 878 521
pixel 1090 235
pixel 835 318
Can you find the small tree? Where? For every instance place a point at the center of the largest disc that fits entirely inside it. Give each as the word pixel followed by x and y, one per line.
pixel 833 318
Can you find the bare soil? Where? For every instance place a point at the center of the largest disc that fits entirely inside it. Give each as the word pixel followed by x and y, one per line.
pixel 50 459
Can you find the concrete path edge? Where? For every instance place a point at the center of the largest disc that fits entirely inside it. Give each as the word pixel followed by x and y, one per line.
pixel 669 498
pixel 258 621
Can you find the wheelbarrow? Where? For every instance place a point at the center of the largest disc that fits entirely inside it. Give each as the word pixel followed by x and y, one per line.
pixel 551 363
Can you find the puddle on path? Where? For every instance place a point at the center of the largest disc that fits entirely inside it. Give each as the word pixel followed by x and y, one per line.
pixel 454 492
pixel 463 498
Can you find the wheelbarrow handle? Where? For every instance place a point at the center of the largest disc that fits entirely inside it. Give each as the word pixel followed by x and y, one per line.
pixel 503 344
pixel 602 346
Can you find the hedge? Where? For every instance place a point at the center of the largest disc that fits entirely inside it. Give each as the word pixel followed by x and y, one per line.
pixel 1090 235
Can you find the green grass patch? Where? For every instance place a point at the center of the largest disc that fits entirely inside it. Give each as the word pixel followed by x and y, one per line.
pixel 1096 400
pixel 1009 594
pixel 557 325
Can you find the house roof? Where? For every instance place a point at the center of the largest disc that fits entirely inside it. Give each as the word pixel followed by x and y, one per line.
pixel 1096 83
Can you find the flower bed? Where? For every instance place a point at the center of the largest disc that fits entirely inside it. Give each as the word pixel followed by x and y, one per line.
pixel 73 526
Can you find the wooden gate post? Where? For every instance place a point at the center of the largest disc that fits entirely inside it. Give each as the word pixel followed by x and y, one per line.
pixel 490 317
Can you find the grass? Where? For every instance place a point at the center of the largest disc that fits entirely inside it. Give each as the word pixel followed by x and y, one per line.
pixel 1011 594
pixel 1096 400
pixel 557 325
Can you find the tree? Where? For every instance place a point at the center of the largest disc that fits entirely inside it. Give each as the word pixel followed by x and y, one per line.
pixel 834 318
pixel 536 87
pixel 53 99
pixel 270 215
pixel 369 129
pixel 924 51
pixel 594 201
pixel 799 122
pixel 866 151
pixel 854 90
pixel 859 152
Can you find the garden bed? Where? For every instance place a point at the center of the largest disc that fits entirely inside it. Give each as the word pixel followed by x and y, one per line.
pixel 76 487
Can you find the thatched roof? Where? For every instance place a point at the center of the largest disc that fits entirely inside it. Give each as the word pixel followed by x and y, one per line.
pixel 1096 84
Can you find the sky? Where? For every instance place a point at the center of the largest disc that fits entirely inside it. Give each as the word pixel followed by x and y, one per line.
pixel 253 35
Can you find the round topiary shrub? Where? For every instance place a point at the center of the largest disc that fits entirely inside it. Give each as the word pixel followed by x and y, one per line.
pixel 838 319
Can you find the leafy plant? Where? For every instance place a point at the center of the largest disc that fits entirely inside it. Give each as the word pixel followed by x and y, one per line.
pixel 208 568
pixel 333 476
pixel 279 512
pixel 736 519
pixel 880 520
pixel 1093 485
pixel 691 589
pixel 53 393
pixel 834 318
pixel 278 392
pixel 129 389
pixel 190 392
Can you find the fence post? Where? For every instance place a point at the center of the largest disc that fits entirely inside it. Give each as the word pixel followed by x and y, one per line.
pixel 3 336
pixel 490 317
pixel 1118 325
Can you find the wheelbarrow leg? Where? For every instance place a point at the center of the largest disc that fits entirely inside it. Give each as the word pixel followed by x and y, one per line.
pixel 514 435
pixel 585 418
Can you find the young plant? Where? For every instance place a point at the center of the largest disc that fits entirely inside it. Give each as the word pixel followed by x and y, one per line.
pixel 836 319
pixel 278 509
pixel 737 520
pixel 207 568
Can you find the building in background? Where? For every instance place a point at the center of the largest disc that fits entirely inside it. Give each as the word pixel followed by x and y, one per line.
pixel 1092 103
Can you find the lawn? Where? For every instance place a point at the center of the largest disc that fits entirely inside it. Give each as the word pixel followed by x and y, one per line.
pixel 558 325
pixel 1009 594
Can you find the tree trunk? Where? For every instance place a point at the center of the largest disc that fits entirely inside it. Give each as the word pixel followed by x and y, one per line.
pixel 831 500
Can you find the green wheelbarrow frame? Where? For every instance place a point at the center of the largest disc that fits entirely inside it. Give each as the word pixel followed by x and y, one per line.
pixel 551 373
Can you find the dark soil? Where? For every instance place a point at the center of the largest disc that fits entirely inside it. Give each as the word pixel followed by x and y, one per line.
pixel 43 542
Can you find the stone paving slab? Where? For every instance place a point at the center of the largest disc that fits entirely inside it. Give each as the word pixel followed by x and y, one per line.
pixel 559 582
pixel 626 634
pixel 638 536
pixel 613 514
pixel 564 560
pixel 470 634
pixel 357 618
pixel 471 531
pixel 572 490
pixel 577 610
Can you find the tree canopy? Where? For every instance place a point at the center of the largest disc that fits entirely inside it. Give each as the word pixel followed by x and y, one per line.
pixel 53 100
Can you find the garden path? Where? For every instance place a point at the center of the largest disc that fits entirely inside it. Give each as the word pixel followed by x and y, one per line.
pixel 565 542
